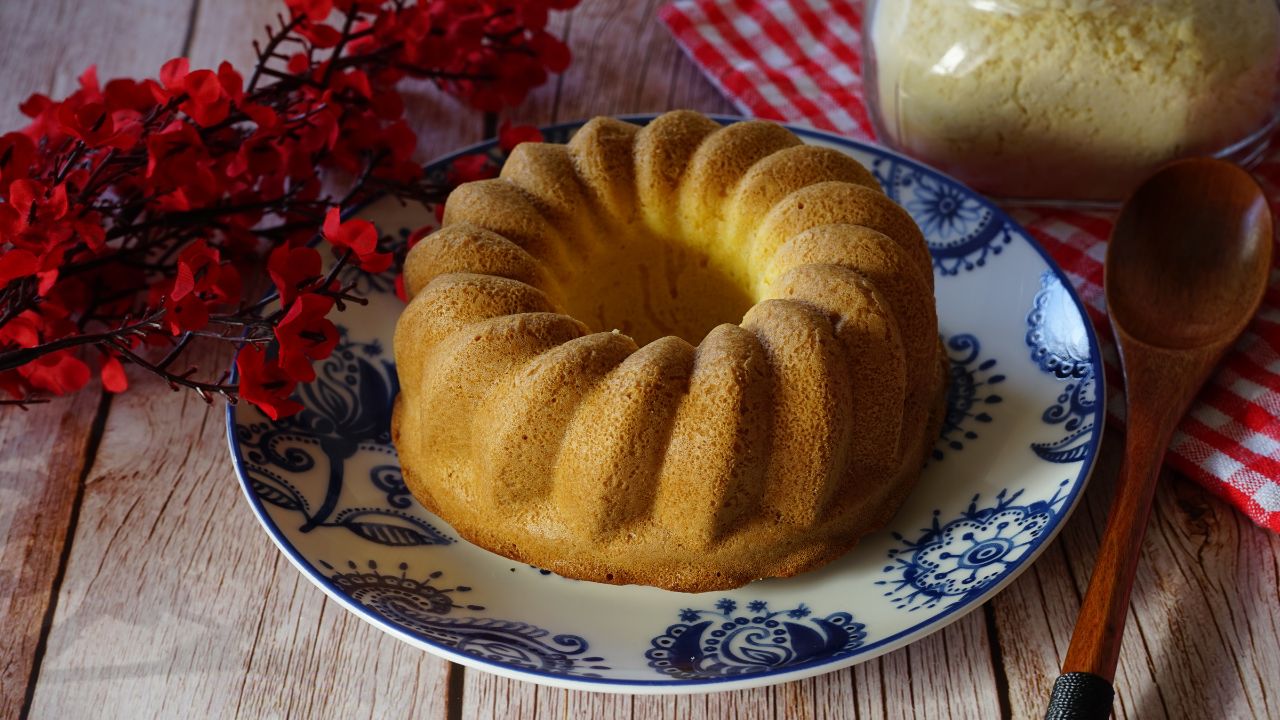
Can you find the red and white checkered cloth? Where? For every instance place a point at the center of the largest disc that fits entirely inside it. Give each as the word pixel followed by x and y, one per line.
pixel 800 61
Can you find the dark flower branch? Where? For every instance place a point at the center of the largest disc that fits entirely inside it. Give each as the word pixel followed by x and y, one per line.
pixel 130 211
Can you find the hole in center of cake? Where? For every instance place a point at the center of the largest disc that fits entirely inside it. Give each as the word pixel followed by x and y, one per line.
pixel 650 287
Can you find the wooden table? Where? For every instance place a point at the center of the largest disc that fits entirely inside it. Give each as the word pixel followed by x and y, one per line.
pixel 135 582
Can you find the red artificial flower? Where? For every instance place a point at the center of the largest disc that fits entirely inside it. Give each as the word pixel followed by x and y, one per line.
pixel 532 15
pixel 553 53
pixel 315 10
pixel 264 117
pixel 207 101
pixel 43 113
pixel 22 331
pixel 201 280
pixel 200 270
pixel 172 152
pixel 232 82
pixel 387 104
pixel 258 157
pixel 189 313
pixel 298 64
pixel 207 95
pixel 509 136
pixel 306 335
pixel 172 73
pixel 264 384
pixel 358 236
pixel 355 81
pixel 10 222
pixel 17 153
pixel 88 228
pixel 89 122
pixel 320 35
pixel 58 373
pixel 112 372
pixel 291 269
pixel 466 32
pixel 320 131
pixel 12 383
pixel 400 141
pixel 400 290
pixel 36 202
pixel 17 263
pixel 47 279
pixel 127 94
pixel 90 89
pixel 470 168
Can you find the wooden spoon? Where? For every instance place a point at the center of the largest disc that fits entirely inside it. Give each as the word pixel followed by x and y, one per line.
pixel 1186 269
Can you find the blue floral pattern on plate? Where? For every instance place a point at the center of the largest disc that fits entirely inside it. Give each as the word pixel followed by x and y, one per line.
pixel 724 642
pixel 419 605
pixel 326 485
pixel 1060 345
pixel 963 231
pixel 345 413
pixel 969 394
pixel 964 557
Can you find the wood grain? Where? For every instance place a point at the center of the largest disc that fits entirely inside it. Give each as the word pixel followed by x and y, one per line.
pixel 47 46
pixel 41 468
pixel 175 604
pixel 1202 640
pixel 174 594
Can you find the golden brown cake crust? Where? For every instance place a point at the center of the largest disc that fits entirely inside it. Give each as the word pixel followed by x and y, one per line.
pixel 702 454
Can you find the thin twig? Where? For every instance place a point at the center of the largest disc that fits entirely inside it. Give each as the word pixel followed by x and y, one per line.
pixel 22 403
pixel 205 390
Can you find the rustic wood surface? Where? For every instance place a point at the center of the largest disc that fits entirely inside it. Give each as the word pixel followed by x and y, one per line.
pixel 135 583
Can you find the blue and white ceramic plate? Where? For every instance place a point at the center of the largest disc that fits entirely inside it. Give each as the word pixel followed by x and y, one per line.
pixel 1022 429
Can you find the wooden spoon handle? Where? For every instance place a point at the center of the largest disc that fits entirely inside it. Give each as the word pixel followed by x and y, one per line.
pixel 1083 691
pixel 1156 403
pixel 1095 642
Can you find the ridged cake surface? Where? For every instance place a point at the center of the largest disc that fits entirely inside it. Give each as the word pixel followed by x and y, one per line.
pixel 685 355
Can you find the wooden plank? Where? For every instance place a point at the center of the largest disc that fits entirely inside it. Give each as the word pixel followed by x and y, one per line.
pixel 41 468
pixel 1202 639
pixel 47 46
pixel 176 603
pixel 946 675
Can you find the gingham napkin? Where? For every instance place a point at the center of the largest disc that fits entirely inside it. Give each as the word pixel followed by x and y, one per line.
pixel 800 61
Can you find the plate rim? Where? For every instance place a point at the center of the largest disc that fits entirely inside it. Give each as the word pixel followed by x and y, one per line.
pixel 869 651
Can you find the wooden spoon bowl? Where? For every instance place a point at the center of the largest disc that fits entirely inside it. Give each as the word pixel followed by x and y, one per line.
pixel 1171 263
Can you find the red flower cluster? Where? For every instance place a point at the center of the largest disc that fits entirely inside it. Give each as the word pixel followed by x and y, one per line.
pixel 130 211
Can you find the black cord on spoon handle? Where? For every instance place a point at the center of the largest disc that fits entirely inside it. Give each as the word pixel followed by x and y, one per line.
pixel 1080 696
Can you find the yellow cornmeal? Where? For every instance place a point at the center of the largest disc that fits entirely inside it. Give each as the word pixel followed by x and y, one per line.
pixel 1071 98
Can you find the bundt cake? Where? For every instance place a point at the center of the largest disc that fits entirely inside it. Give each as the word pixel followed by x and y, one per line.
pixel 573 394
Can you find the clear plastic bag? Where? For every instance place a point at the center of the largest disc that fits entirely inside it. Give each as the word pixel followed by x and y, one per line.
pixel 1071 99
